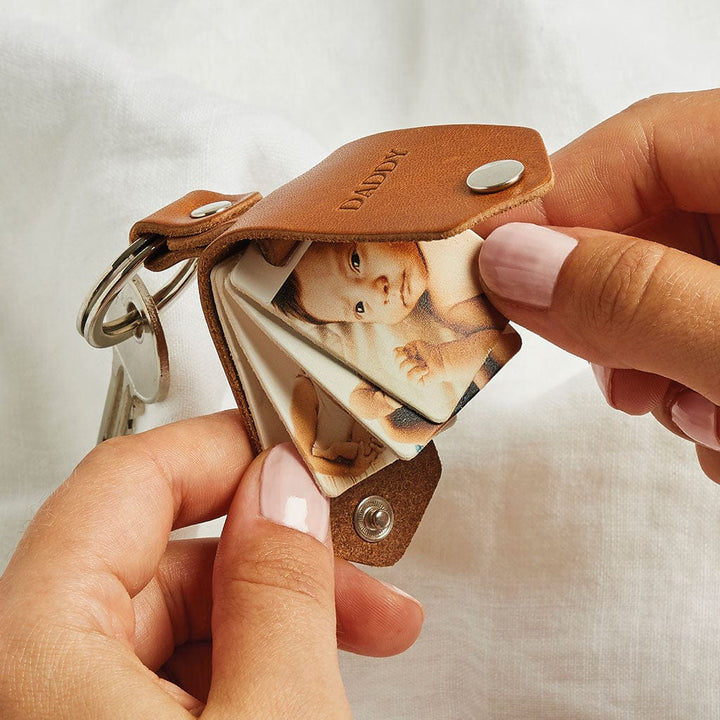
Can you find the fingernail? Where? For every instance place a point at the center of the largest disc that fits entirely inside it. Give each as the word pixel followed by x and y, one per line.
pixel 696 416
pixel 603 375
pixel 289 496
pixel 521 262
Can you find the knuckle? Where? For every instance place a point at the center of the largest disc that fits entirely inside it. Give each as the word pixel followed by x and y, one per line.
pixel 130 462
pixel 113 449
pixel 280 569
pixel 136 457
pixel 655 107
pixel 626 286
pixel 121 451
pixel 650 104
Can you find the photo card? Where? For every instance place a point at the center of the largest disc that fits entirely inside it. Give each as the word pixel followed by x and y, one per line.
pixel 408 318
pixel 270 428
pixel 404 431
pixel 338 450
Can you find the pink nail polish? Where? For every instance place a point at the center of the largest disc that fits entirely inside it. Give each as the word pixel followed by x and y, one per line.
pixel 603 375
pixel 697 417
pixel 289 496
pixel 521 262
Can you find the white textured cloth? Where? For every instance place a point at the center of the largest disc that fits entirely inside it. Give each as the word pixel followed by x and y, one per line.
pixel 569 560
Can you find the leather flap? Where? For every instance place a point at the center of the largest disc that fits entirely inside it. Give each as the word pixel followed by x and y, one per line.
pixel 407 185
pixel 408 486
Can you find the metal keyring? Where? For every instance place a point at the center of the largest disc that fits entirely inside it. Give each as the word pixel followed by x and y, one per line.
pixel 91 318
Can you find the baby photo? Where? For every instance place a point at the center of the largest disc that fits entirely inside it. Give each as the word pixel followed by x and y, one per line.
pixel 399 424
pixel 338 450
pixel 408 317
pixel 402 430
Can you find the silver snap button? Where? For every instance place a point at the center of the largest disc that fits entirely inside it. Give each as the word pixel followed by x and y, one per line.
pixel 210 209
pixel 373 518
pixel 495 176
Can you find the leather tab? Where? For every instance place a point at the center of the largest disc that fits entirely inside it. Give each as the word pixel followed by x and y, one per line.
pixel 185 236
pixel 408 487
pixel 403 185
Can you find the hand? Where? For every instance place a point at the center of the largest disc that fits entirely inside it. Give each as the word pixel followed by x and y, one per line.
pixel 101 618
pixel 421 361
pixel 638 295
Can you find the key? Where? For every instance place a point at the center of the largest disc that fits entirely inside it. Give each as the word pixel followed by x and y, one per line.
pixel 140 369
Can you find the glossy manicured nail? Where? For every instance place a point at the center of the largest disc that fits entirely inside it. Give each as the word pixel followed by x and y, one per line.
pixel 289 496
pixel 603 375
pixel 520 262
pixel 697 417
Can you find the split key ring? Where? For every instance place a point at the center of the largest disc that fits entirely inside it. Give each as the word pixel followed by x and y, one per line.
pixel 91 323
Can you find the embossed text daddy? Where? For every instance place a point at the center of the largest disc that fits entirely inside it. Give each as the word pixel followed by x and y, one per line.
pixel 373 181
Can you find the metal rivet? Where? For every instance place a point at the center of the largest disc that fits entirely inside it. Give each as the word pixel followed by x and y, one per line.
pixel 495 176
pixel 210 209
pixel 373 518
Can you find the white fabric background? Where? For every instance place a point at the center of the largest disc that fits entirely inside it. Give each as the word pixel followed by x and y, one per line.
pixel 569 561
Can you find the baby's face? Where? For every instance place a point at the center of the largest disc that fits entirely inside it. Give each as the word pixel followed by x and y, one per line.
pixel 361 282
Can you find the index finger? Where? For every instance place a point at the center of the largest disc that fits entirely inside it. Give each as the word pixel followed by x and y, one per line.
pixel 660 154
pixel 115 512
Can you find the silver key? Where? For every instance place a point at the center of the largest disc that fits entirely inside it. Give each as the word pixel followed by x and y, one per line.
pixel 140 369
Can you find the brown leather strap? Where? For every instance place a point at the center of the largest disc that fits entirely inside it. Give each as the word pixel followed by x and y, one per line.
pixel 184 235
pixel 404 185
pixel 408 487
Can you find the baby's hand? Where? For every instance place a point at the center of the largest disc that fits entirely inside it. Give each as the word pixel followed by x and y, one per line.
pixel 384 404
pixel 367 453
pixel 422 361
pixel 369 403
pixel 337 451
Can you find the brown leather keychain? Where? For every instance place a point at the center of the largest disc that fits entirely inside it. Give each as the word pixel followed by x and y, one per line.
pixel 418 189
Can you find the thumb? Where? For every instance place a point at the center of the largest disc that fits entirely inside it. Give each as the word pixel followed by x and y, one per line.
pixel 273 623
pixel 617 301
